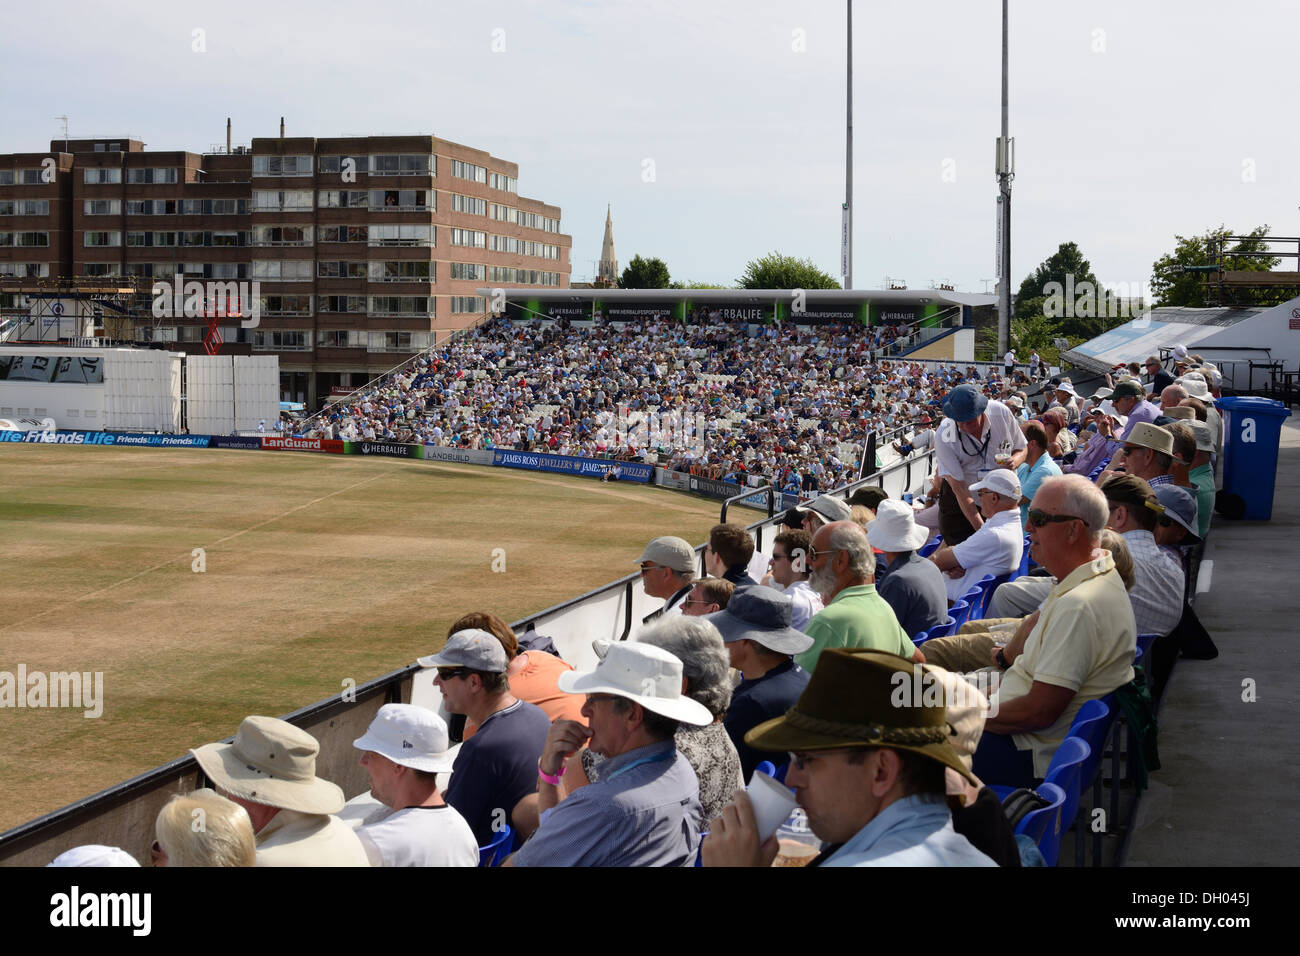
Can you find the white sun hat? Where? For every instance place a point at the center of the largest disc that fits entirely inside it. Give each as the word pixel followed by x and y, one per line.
pixel 649 675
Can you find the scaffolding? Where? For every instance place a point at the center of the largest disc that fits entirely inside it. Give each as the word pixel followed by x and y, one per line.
pixel 117 308
pixel 1226 284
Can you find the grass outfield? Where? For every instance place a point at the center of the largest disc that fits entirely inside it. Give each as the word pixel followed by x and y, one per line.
pixel 318 568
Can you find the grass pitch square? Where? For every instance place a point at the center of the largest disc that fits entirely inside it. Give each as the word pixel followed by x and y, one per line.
pixel 315 569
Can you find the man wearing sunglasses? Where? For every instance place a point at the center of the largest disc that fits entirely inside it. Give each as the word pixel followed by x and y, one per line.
pixel 1080 648
pixel 667 568
pixel 497 767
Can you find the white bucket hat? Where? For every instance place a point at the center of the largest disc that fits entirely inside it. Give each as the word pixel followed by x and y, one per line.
pixel 1196 387
pixel 412 736
pixel 644 673
pixel 895 528
pixel 271 762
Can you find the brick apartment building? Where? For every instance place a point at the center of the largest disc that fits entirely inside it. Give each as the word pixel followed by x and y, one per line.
pixel 365 250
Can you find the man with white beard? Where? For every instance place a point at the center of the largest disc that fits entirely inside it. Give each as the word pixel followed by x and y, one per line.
pixel 843 573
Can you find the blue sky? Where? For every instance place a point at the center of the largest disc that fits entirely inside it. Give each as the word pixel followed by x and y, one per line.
pixel 1133 122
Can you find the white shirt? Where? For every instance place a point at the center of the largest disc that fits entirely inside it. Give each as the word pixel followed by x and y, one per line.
pixel 805 602
pixel 418 836
pixel 968 459
pixel 994 549
pixel 1009 358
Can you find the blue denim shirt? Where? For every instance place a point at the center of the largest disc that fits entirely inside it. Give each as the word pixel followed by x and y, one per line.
pixel 914 831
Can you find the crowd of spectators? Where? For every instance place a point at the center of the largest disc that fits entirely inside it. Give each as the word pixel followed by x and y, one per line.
pixel 791 404
pixel 631 762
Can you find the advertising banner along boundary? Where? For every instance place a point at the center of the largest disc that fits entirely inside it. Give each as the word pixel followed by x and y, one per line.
pixel 330 445
pixel 595 467
pixel 390 449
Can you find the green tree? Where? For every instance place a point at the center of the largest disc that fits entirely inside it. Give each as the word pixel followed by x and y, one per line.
pixel 692 284
pixel 1064 290
pixel 645 274
pixel 1172 285
pixel 775 271
pixel 1067 264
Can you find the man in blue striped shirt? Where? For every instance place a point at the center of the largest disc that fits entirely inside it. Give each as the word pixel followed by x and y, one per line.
pixel 644 809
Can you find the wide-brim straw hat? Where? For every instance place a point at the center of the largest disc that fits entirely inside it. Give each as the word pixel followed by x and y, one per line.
pixel 271 762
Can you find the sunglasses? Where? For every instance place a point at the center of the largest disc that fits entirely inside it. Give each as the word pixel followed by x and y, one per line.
pixel 800 761
pixel 1039 518
pixel 451 673
pixel 813 552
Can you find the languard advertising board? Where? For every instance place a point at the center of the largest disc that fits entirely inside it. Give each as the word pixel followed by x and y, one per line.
pixel 63 437
pixel 331 445
pixel 594 467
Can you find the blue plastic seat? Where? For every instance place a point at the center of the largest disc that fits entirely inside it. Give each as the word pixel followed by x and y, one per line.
pixel 495 852
pixel 921 638
pixel 765 766
pixel 1092 724
pixel 993 584
pixel 779 776
pixel 1144 642
pixel 1066 772
pixel 1044 825
pixel 971 599
pixel 959 612
pixel 931 546
pixel 945 629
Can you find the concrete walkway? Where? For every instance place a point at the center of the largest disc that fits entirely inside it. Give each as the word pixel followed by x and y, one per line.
pixel 1228 791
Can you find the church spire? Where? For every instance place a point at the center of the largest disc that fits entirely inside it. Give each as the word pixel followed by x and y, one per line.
pixel 608 271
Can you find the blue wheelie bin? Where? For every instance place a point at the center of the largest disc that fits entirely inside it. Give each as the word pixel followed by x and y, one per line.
pixel 1252 430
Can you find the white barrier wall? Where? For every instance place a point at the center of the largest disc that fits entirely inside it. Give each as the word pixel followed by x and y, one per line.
pixel 117 389
pixel 229 393
pixel 209 394
pixel 257 391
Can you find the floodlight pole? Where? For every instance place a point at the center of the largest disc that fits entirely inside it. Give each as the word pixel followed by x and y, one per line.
pixel 846 225
pixel 1005 171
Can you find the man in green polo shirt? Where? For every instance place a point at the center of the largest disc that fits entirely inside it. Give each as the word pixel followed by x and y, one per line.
pixel 843 573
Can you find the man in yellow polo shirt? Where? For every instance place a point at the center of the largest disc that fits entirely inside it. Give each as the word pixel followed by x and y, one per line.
pixel 843 572
pixel 1080 648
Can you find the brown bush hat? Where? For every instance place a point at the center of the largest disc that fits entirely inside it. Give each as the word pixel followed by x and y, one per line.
pixel 866 698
